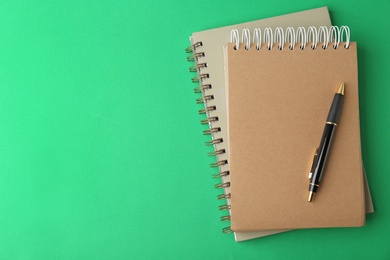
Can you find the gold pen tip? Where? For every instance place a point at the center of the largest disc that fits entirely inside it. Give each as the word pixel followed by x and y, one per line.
pixel 311 194
pixel 341 89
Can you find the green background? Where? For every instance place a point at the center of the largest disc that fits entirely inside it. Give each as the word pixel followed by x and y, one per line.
pixel 101 150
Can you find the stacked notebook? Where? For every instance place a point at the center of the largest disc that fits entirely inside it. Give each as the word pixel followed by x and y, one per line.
pixel 266 96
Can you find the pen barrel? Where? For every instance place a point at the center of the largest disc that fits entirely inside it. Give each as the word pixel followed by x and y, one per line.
pixel 335 109
pixel 323 151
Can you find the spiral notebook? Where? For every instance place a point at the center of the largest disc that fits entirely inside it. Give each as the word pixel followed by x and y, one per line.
pixel 208 57
pixel 279 94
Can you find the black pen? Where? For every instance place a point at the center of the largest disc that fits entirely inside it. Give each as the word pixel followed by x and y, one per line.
pixel 322 152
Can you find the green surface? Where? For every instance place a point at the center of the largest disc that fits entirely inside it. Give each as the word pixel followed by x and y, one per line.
pixel 101 151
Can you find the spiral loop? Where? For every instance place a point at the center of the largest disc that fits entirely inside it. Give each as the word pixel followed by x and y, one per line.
pixel 246 38
pixel 257 38
pixel 224 207
pixel 195 56
pixel 218 152
pixel 213 142
pixel 345 29
pixel 227 230
pixel 212 130
pixel 202 100
pixel 197 67
pixel 204 87
pixel 207 109
pixel 323 32
pixel 222 185
pixel 225 218
pixel 334 33
pixel 221 174
pixel 301 37
pixel 279 37
pixel 218 164
pixel 209 120
pixel 200 77
pixel 223 196
pixel 193 47
pixel 290 37
pixel 268 38
pixel 235 38
pixel 312 36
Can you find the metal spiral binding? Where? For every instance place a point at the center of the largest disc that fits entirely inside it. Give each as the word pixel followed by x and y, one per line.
pixel 207 109
pixel 209 120
pixel 225 218
pixel 222 185
pixel 306 38
pixel 221 174
pixel 212 130
pixel 227 230
pixel 201 100
pixel 193 47
pixel 224 196
pixel 213 142
pixel 195 56
pixel 197 67
pixel 218 152
pixel 224 207
pixel 200 78
pixel 203 88
pixel 219 163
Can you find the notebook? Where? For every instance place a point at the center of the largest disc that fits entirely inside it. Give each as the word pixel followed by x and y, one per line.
pixel 278 100
pixel 215 38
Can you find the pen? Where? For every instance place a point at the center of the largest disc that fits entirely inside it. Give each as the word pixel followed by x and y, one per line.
pixel 322 152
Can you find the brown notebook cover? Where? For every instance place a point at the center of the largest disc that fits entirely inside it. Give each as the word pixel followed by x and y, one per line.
pixel 278 102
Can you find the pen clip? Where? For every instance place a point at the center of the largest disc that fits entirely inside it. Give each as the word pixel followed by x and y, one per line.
pixel 313 164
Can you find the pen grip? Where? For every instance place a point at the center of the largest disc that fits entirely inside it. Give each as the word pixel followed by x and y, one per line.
pixel 335 109
pixel 323 151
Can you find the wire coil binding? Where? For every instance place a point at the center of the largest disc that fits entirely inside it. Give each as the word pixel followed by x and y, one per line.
pixel 219 163
pixel 212 130
pixel 198 67
pixel 207 109
pixel 224 207
pixel 193 47
pixel 201 100
pixel 200 78
pixel 217 152
pixel 221 174
pixel 209 120
pixel 309 37
pixel 222 185
pixel 224 196
pixel 196 55
pixel 225 218
pixel 227 230
pixel 202 88
pixel 213 142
